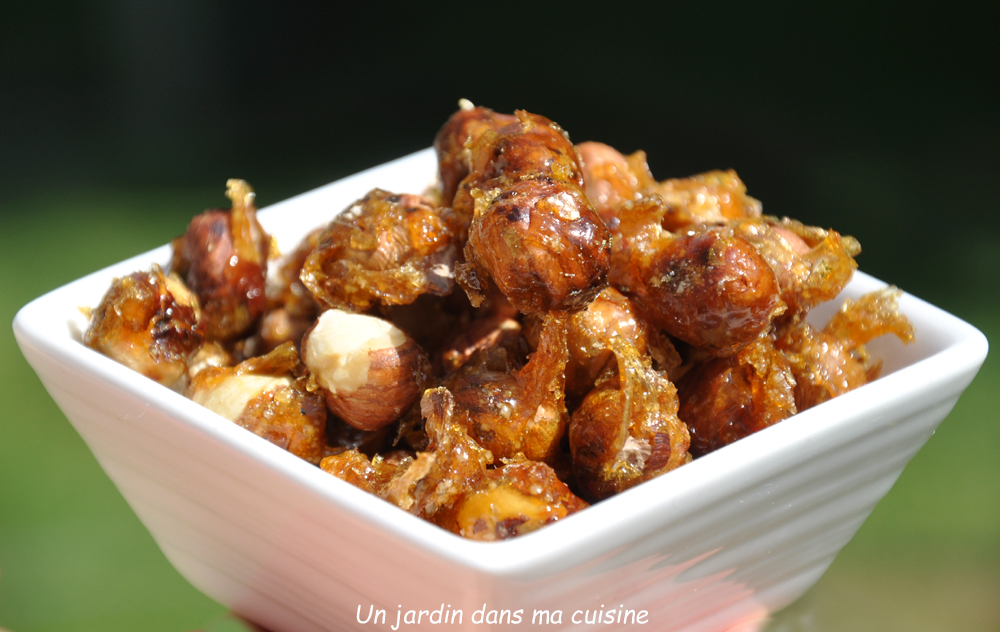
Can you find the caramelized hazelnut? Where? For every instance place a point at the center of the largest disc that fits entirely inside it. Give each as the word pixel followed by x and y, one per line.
pixel 453 140
pixel 544 246
pixel 223 259
pixel 711 289
pixel 369 370
pixel 147 322
pixel 264 396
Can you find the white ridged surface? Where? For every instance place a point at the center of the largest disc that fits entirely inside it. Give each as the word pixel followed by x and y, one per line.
pixel 716 544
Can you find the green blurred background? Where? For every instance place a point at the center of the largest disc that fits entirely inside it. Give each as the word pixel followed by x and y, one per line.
pixel 120 120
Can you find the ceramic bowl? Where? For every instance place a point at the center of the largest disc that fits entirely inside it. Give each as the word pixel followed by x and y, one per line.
pixel 715 545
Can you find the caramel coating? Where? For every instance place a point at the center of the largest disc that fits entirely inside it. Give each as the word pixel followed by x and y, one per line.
pixel 708 198
pixel 511 409
pixel 711 289
pixel 452 143
pixel 449 483
pixel 627 429
pixel 542 244
pixel 223 259
pixel 612 179
pixel 875 314
pixel 823 368
pixel 811 265
pixel 726 399
pixel 533 230
pixel 834 361
pixel 372 475
pixel 147 327
pixel 531 146
pixel 452 464
pixel 265 396
pixel 591 337
pixel 291 418
pixel 516 498
pixel 384 249
pixel 637 237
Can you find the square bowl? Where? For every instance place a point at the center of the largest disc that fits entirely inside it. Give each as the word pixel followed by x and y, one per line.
pixel 715 545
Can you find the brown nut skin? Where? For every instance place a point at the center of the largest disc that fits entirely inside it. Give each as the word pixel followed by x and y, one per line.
pixel 832 361
pixel 612 179
pixel 389 392
pixel 394 374
pixel 384 249
pixel 232 296
pixel 626 430
pixel 726 399
pixel 222 257
pixel 453 140
pixel 543 245
pixel 711 289
pixel 531 146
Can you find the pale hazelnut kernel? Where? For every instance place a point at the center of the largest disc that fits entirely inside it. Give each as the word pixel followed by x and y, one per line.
pixel 370 371
pixel 230 395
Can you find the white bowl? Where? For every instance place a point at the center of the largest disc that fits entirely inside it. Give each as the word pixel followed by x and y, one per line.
pixel 715 545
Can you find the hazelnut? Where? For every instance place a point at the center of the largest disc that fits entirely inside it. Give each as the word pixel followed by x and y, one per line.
pixel 543 244
pixel 369 370
pixel 149 322
pixel 228 394
pixel 263 395
pixel 222 257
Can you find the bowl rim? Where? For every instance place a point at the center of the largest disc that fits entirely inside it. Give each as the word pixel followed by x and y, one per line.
pixel 44 326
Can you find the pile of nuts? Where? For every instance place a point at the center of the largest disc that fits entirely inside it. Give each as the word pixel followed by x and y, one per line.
pixel 547 327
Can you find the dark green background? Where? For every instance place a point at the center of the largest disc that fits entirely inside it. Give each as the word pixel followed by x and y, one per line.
pixel 120 120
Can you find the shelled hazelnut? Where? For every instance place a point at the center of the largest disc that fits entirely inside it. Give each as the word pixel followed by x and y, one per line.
pixel 369 370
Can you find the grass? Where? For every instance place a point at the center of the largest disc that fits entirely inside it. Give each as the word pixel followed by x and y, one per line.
pixel 74 556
